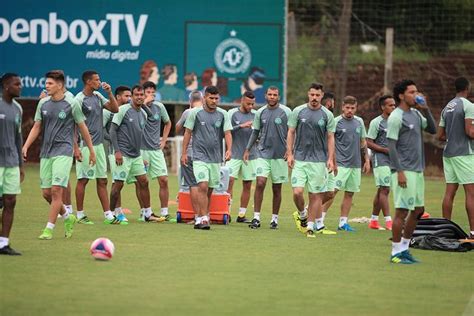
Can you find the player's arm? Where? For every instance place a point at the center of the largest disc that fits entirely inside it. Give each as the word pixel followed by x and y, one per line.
pixel 442 134
pixel 228 145
pixel 32 136
pixel 469 127
pixel 112 105
pixel 114 141
pixel 290 143
pixel 331 163
pixel 430 122
pixel 365 153
pixel 373 146
pixel 166 132
pixel 186 139
pixel 251 142
pixel 88 140
pixel 19 145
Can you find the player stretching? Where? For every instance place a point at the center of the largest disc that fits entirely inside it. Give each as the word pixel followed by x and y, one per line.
pixel 241 119
pixel 270 126
pixel 407 161
pixel 311 155
pixel 55 119
pixel 377 142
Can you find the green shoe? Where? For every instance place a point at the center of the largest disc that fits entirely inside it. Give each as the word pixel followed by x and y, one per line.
pixel 69 225
pixel 47 234
pixel 310 234
pixel 325 231
pixel 114 221
pixel 300 224
pixel 85 220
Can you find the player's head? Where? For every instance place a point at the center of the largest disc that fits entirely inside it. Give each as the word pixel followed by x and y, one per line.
pixel 349 106
pixel 405 92
pixel 91 79
pixel 272 95
pixel 11 85
pixel 211 95
pixel 315 94
pixel 195 99
pixel 387 104
pixel 123 94
pixel 247 103
pixel 54 81
pixel 462 85
pixel 328 101
pixel 150 88
pixel 138 95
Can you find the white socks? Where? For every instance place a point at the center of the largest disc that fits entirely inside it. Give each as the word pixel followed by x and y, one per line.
pixel 50 225
pixel 388 218
pixel 275 218
pixel 396 246
pixel 310 226
pixel 80 214
pixel 3 242
pixel 324 215
pixel 68 209
pixel 319 223
pixel 147 212
pixel 304 213
pixel 342 221
pixel 374 217
pixel 164 211
pixel 256 215
pixel 405 244
pixel 118 211
pixel 242 211
pixel 109 215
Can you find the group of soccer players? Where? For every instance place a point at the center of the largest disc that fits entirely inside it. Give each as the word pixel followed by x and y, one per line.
pixel 325 154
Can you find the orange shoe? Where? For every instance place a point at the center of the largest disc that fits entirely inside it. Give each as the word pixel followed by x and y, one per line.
pixel 426 215
pixel 374 225
pixel 388 225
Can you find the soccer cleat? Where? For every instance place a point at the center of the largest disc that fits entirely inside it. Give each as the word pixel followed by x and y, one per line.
pixel 398 258
pixel 69 225
pixel 254 224
pixel 205 225
pixel 47 234
pixel 273 225
pixel 243 219
pixel 9 251
pixel 426 215
pixel 299 223
pixel 374 224
pixel 407 255
pixel 346 227
pixel 114 221
pixel 388 225
pixel 325 231
pixel 310 233
pixel 154 219
pixel 85 220
pixel 122 217
pixel 167 217
pixel 142 217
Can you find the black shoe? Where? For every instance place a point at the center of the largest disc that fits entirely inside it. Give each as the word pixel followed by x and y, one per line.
pixel 243 219
pixel 1 202
pixel 304 222
pixel 9 251
pixel 203 225
pixel 273 225
pixel 254 224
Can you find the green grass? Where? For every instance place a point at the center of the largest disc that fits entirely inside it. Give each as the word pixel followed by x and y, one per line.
pixel 169 268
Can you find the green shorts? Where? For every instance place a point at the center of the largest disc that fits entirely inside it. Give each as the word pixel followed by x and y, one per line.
pixel 130 168
pixel 237 166
pixel 112 163
pixel 331 184
pixel 278 168
pixel 348 179
pixel 413 195
pixel 382 176
pixel 156 163
pixel 10 180
pixel 313 175
pixel 97 171
pixel 207 172
pixel 459 169
pixel 55 171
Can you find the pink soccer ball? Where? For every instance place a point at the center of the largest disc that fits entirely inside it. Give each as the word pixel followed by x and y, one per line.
pixel 102 249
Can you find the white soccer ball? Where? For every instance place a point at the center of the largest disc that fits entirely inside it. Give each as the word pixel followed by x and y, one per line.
pixel 102 249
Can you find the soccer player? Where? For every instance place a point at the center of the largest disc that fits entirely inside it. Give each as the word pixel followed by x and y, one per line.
pixel 92 103
pixel 241 119
pixel 457 128
pixel 152 147
pixel 377 142
pixel 208 125
pixel 350 141
pixel 55 118
pixel 270 126
pixel 126 134
pixel 122 95
pixel 407 161
pixel 11 162
pixel 187 171
pixel 328 102
pixel 310 153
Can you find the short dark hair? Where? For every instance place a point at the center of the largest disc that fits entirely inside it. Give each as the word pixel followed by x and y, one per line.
pixel 195 95
pixel 349 99
pixel 316 86
pixel 149 84
pixel 57 75
pixel 87 75
pixel 211 90
pixel 400 87
pixel 327 96
pixel 137 87
pixel 249 94
pixel 461 84
pixel 383 98
pixel 6 78
pixel 273 88
pixel 122 89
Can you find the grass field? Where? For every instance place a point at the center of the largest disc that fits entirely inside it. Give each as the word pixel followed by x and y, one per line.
pixel 170 268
